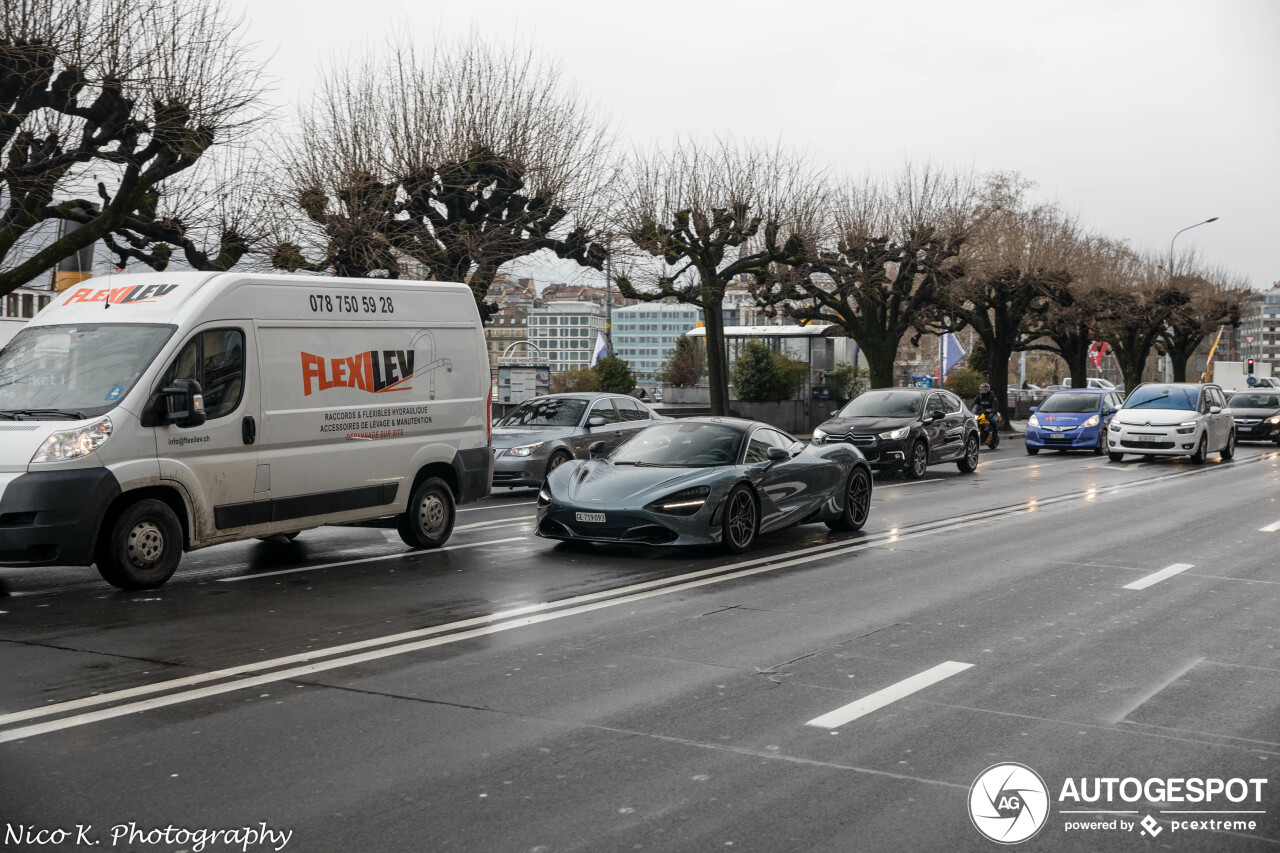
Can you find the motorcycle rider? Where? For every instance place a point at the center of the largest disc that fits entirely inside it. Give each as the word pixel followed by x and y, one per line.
pixel 985 402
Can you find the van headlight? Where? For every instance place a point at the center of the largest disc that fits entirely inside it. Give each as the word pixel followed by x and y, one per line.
pixel 686 502
pixel 74 443
pixel 1093 421
pixel 896 434
pixel 524 449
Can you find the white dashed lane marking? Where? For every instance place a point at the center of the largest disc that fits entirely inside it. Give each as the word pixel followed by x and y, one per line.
pixel 876 701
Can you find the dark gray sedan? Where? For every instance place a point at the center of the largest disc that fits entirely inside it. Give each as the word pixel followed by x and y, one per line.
pixel 705 480
pixel 539 435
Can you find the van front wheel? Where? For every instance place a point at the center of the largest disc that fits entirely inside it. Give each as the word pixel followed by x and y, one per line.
pixel 428 520
pixel 143 546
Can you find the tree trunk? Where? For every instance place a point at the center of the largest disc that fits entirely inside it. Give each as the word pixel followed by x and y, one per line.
pixel 998 374
pixel 880 361
pixel 717 374
pixel 1077 358
pixel 1132 356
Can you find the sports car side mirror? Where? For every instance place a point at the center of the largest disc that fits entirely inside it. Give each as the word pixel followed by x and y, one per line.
pixel 596 448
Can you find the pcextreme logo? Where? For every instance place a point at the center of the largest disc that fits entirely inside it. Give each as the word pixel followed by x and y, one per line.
pixel 375 371
pixel 122 295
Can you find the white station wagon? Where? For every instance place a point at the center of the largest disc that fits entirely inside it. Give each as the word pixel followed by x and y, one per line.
pixel 1173 419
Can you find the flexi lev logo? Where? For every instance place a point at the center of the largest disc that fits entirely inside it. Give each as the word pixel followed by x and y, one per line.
pixel 122 295
pixel 375 371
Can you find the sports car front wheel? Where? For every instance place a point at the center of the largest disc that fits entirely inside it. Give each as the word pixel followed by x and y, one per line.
pixel 740 517
pixel 857 502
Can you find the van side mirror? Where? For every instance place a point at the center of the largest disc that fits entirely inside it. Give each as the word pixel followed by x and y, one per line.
pixel 596 448
pixel 188 408
pixel 595 421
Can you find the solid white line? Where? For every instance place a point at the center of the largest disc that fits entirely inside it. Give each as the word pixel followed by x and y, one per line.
pixel 1156 577
pixel 496 506
pixel 909 483
pixel 399 556
pixel 1270 528
pixel 837 718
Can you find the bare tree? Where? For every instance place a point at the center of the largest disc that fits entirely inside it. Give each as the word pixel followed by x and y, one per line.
pixel 458 160
pixel 1018 251
pixel 100 102
pixel 1066 322
pixel 701 216
pixel 896 246
pixel 1212 300
pixel 1139 306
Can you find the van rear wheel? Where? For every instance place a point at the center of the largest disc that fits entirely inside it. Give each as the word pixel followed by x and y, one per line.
pixel 142 548
pixel 428 520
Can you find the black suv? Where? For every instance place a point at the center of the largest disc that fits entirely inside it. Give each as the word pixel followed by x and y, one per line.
pixel 906 429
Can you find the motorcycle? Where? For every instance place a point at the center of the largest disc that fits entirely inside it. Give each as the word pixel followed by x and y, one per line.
pixel 989 426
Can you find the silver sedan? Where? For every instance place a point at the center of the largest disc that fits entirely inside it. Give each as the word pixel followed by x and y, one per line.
pixel 539 435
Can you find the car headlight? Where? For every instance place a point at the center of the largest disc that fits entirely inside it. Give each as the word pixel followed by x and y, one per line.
pixel 544 496
pixel 525 449
pixel 1115 427
pixel 74 443
pixel 686 502
pixel 819 435
pixel 1187 423
pixel 1185 430
pixel 896 434
pixel 1033 422
pixel 1093 421
pixel 1275 420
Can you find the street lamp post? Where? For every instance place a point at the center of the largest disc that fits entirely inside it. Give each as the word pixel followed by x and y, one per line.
pixel 1168 359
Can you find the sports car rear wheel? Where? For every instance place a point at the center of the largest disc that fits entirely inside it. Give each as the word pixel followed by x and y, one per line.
pixel 740 520
pixel 857 502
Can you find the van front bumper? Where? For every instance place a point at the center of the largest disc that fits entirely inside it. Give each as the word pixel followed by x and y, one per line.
pixel 50 518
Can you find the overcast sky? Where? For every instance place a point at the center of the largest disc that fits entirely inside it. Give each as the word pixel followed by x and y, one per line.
pixel 1144 117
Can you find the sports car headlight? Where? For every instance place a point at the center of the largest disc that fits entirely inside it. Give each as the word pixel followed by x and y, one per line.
pixel 1033 422
pixel 525 449
pixel 544 496
pixel 1275 420
pixel 686 502
pixel 74 443
pixel 895 434
pixel 819 435
pixel 1093 421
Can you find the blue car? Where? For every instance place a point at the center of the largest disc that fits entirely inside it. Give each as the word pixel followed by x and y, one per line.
pixel 1075 419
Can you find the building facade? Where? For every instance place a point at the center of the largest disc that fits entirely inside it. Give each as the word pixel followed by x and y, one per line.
pixel 565 332
pixel 18 307
pixel 644 335
pixel 1258 335
pixel 506 326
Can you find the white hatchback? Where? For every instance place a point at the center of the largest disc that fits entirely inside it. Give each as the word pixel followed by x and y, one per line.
pixel 1173 419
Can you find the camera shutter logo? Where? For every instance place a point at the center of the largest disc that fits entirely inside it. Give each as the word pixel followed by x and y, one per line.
pixel 1008 803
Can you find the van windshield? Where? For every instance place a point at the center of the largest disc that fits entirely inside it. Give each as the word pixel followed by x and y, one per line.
pixel 75 371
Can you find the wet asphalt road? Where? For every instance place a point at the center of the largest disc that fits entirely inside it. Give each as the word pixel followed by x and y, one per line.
pixel 511 694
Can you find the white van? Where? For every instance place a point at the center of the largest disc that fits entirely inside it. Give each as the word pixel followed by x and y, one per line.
pixel 145 415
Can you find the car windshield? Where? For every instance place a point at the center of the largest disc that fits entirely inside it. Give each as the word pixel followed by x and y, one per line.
pixel 552 411
pixel 1163 397
pixel 1071 404
pixel 79 371
pixel 1253 400
pixel 884 404
pixel 681 445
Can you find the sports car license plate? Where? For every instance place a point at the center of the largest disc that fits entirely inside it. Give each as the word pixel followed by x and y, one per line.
pixel 594 517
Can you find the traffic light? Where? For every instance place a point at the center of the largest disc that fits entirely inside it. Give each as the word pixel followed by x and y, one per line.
pixel 1249 369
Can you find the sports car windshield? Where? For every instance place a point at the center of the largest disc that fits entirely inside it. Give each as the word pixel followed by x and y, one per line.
pixel 1163 397
pixel 681 445
pixel 1254 400
pixel 884 404
pixel 560 411
pixel 1071 404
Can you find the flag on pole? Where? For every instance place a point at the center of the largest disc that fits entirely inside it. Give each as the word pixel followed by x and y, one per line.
pixel 951 354
pixel 601 350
